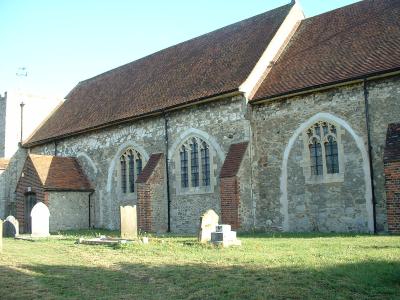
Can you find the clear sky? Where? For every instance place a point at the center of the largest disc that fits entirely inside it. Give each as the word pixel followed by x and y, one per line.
pixel 62 42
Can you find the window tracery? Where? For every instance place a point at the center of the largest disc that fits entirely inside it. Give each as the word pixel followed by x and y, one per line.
pixel 323 152
pixel 130 168
pixel 194 164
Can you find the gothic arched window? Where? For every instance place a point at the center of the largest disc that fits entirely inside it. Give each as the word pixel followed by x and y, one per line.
pixel 195 171
pixel 323 150
pixel 131 167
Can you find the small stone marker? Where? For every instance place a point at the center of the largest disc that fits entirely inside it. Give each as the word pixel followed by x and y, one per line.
pixel 1 235
pixel 128 222
pixel 208 221
pixel 40 215
pixel 224 236
pixel 11 227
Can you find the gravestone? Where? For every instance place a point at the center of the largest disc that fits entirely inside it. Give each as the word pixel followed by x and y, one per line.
pixel 1 235
pixel 10 227
pixel 224 236
pixel 40 215
pixel 128 222
pixel 208 221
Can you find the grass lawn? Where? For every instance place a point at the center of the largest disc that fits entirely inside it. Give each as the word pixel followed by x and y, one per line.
pixel 279 266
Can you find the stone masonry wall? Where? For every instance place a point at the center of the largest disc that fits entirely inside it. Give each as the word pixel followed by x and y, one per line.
pixel 279 181
pixel 335 206
pixel 3 110
pixel 8 184
pixel 220 123
pixel 384 97
pixel 68 210
pixel 246 208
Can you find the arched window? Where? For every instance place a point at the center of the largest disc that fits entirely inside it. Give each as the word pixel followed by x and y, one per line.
pixel 195 171
pixel 205 164
pixel 316 157
pixel 184 167
pixel 323 150
pixel 131 167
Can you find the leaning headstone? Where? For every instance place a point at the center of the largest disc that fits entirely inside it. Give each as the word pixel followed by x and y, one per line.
pixel 128 222
pixel 224 236
pixel 208 221
pixel 40 215
pixel 11 227
pixel 1 235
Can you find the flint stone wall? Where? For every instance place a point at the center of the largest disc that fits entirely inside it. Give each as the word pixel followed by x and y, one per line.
pixel 311 207
pixel 339 206
pixel 68 210
pixel 99 152
pixel 3 110
pixel 8 183
pixel 384 107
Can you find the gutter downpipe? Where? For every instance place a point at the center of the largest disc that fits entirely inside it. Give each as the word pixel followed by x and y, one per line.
pixel 90 214
pixel 167 170
pixel 367 119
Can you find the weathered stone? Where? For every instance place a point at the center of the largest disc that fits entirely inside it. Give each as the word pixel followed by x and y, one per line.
pixel 224 236
pixel 1 235
pixel 128 222
pixel 11 227
pixel 40 220
pixel 334 206
pixel 68 210
pixel 208 222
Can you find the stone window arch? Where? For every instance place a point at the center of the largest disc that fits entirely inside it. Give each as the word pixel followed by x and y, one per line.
pixel 323 153
pixel 194 163
pixel 131 164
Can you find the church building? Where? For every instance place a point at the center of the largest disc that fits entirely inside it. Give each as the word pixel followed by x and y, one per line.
pixel 278 123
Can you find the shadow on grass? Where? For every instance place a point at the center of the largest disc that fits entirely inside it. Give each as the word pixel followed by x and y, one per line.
pixel 276 235
pixel 374 279
pixel 301 235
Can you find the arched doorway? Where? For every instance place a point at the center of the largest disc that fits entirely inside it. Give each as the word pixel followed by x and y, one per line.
pixel 30 201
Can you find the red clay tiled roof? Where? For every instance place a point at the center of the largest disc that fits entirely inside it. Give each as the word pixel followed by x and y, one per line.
pixel 149 168
pixel 212 64
pixel 392 149
pixel 60 173
pixel 344 44
pixel 233 160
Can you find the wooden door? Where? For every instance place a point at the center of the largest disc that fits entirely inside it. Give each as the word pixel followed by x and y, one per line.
pixel 30 201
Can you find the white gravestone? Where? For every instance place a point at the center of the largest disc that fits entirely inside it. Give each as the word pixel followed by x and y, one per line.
pixel 208 221
pixel 40 220
pixel 224 236
pixel 128 222
pixel 11 227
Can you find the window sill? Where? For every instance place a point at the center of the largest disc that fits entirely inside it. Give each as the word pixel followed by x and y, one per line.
pixel 327 178
pixel 195 191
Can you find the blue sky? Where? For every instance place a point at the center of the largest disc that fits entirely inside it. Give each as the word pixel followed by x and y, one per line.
pixel 61 42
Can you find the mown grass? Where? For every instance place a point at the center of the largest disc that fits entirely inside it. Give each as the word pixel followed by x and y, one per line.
pixel 267 266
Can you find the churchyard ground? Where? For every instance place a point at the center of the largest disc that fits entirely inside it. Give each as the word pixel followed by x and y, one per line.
pixel 266 266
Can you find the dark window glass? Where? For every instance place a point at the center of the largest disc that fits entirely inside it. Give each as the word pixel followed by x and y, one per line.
pixel 123 174
pixel 205 164
pixel 139 166
pixel 332 158
pixel 194 159
pixel 184 168
pixel 316 158
pixel 131 172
